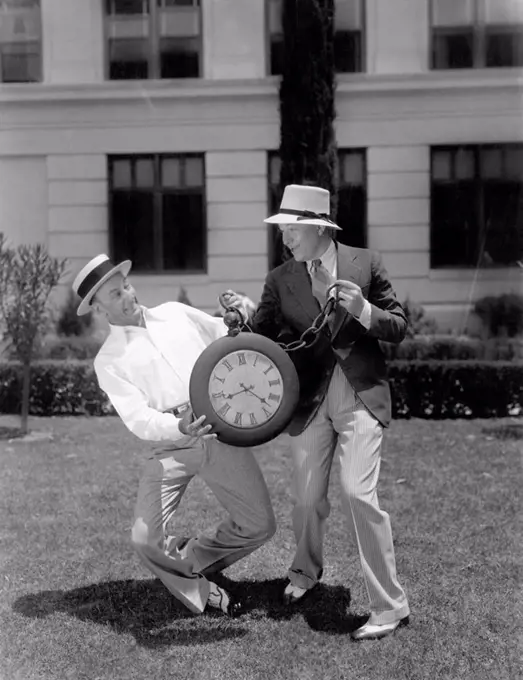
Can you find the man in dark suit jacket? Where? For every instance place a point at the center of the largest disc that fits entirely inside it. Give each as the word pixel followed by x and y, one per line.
pixel 344 395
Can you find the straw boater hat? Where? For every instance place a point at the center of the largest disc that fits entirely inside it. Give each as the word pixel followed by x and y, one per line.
pixel 304 205
pixel 93 275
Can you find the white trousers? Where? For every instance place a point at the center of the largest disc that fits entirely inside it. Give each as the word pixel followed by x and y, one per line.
pixel 180 562
pixel 344 427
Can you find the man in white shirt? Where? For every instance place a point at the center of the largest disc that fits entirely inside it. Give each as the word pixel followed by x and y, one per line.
pixel 144 367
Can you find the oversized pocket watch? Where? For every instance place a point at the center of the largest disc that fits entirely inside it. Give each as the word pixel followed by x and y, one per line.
pixel 246 386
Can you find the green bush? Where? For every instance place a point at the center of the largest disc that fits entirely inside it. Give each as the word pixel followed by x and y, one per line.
pixel 501 314
pixel 456 389
pixel 57 388
pixel 72 347
pixel 420 389
pixel 68 322
pixel 419 323
pixel 447 347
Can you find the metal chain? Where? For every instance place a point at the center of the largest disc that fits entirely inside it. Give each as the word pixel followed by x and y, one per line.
pixel 314 330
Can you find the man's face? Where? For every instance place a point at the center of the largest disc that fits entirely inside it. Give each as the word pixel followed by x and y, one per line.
pixel 303 240
pixel 117 299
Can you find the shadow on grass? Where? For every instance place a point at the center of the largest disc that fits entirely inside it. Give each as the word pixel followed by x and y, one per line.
pixel 324 608
pixel 146 610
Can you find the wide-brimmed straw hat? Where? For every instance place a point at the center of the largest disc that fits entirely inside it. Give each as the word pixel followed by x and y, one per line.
pixel 303 204
pixel 93 275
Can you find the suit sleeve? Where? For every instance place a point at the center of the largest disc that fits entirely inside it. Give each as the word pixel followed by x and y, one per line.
pixel 268 318
pixel 387 321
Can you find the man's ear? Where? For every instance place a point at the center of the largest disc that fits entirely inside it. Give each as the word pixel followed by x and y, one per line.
pixel 321 229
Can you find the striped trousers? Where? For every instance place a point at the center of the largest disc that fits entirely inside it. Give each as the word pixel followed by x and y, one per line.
pixel 344 427
pixel 181 562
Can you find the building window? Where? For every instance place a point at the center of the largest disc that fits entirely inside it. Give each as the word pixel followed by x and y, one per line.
pixel 352 201
pixel 476 205
pixel 348 36
pixel 476 33
pixel 153 39
pixel 157 212
pixel 20 41
pixel 352 198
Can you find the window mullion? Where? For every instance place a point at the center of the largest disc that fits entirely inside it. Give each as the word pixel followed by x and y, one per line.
pixel 154 52
pixel 158 215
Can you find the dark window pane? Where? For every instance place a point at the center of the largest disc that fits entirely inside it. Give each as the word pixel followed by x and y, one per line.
pixel 121 173
pixel 454 224
pixel 128 59
pixel 179 57
pixel 20 62
pixel 452 49
pixel 501 239
pixel 504 48
pixel 132 220
pixel 351 216
pixel 277 55
pixel 127 6
pixel 347 51
pixel 183 232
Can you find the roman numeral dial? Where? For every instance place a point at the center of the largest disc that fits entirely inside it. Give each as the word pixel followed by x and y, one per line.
pixel 246 389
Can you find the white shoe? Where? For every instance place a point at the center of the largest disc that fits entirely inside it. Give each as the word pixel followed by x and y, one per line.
pixel 293 594
pixel 375 631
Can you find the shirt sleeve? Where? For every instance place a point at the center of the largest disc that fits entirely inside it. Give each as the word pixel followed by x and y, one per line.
pixel 211 327
pixel 132 406
pixel 365 316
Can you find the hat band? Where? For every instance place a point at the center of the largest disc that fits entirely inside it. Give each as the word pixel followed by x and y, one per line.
pixel 94 277
pixel 307 215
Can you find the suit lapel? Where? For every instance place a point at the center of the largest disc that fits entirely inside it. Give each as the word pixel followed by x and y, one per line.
pixel 299 284
pixel 348 270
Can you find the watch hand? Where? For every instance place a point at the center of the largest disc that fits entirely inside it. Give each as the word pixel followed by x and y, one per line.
pixel 245 389
pixel 263 401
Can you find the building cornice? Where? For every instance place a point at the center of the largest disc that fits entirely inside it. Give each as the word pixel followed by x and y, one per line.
pixel 158 90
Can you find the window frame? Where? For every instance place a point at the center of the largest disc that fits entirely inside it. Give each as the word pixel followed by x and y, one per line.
pixel 363 41
pixel 158 193
pixel 40 53
pixel 479 198
pixel 153 46
pixel 479 28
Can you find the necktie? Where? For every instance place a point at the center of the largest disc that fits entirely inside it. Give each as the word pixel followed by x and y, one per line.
pixel 321 280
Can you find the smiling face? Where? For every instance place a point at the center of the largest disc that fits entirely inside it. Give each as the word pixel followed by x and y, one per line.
pixel 305 241
pixel 116 300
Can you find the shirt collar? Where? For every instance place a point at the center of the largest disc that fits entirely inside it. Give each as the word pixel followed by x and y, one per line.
pixel 121 332
pixel 328 259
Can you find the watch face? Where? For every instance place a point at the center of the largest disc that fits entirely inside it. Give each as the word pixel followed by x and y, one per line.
pixel 245 389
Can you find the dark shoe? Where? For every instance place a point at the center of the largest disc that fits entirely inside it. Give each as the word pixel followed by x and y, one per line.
pixel 220 600
pixel 294 594
pixel 376 631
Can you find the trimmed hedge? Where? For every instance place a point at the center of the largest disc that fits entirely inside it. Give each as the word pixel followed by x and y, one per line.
pixel 420 389
pixel 57 388
pixel 447 347
pixel 456 389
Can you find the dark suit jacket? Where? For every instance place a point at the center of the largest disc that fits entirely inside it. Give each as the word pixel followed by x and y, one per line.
pixel 288 307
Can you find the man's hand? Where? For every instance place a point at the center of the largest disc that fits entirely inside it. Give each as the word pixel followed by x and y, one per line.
pixel 195 428
pixel 350 297
pixel 231 299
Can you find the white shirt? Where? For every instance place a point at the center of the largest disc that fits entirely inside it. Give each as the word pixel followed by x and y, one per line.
pixel 146 371
pixel 329 260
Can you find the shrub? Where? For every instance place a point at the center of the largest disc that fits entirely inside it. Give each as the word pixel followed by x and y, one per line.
pixel 419 323
pixel 447 347
pixel 68 322
pixel 71 347
pixel 57 388
pixel 501 314
pixel 456 389
pixel 420 389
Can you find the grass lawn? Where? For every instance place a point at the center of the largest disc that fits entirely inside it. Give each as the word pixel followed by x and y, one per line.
pixel 76 603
